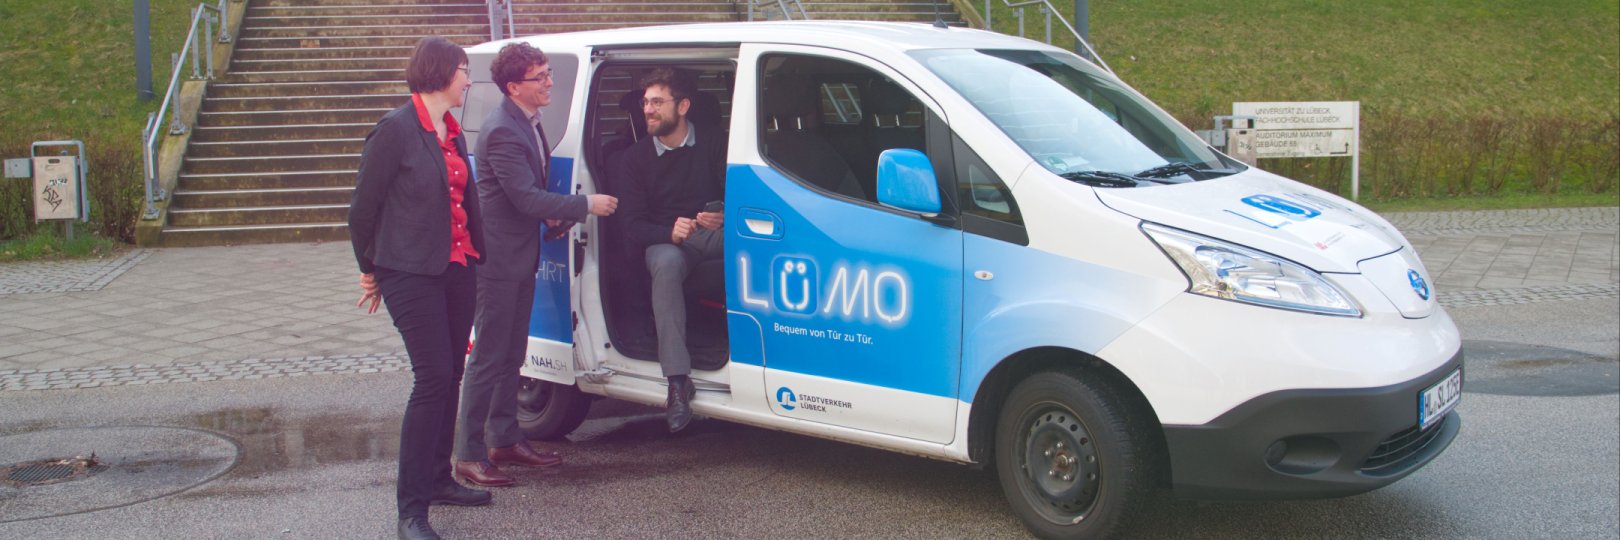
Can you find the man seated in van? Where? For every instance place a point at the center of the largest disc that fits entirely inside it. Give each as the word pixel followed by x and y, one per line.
pixel 671 177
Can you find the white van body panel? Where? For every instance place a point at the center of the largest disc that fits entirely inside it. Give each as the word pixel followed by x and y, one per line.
pixel 1270 213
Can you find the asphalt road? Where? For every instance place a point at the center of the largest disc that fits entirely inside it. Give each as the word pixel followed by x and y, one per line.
pixel 1539 456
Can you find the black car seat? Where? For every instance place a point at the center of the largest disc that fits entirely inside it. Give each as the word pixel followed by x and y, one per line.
pixel 886 126
pixel 791 110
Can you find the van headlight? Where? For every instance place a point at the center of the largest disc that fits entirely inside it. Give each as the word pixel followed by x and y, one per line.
pixel 1233 272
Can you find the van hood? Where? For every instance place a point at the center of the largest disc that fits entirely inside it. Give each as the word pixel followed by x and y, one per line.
pixel 1267 212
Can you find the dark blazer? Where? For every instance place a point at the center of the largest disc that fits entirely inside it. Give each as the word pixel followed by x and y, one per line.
pixel 512 192
pixel 400 215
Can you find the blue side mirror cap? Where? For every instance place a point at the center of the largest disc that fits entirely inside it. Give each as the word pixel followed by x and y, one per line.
pixel 905 180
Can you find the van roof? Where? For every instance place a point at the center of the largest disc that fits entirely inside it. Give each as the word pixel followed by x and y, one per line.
pixel 847 35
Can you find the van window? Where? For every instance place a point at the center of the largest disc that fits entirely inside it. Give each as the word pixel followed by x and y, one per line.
pixel 1069 116
pixel 483 96
pixel 825 121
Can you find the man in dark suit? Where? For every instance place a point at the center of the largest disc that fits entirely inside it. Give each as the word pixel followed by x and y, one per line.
pixel 512 166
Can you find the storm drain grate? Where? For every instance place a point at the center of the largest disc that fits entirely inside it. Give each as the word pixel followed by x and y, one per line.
pixel 51 471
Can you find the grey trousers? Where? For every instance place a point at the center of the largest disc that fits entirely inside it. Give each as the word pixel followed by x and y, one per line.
pixel 488 414
pixel 669 265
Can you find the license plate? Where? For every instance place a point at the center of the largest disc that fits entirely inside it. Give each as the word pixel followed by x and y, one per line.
pixel 1437 400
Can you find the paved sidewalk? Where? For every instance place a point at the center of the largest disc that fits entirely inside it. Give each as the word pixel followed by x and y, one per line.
pixel 245 312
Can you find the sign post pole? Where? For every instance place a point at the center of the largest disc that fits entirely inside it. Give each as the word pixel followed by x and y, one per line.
pixel 1355 159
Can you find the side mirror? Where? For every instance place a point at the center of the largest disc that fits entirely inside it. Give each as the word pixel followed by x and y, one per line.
pixel 905 180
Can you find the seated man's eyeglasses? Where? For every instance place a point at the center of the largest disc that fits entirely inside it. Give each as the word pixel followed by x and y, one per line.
pixel 656 102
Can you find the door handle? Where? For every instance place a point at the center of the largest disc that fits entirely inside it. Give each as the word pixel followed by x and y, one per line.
pixel 760 224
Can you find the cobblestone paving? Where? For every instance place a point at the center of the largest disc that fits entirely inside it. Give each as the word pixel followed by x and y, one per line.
pixel 1527 295
pixel 227 370
pixel 1507 221
pixel 66 276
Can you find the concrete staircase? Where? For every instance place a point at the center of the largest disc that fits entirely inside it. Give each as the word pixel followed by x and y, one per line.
pixel 921 11
pixel 553 16
pixel 277 144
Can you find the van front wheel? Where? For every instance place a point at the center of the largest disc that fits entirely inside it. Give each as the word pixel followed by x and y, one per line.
pixel 1067 458
pixel 549 411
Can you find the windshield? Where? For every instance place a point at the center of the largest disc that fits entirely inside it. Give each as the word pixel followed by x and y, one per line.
pixel 1076 120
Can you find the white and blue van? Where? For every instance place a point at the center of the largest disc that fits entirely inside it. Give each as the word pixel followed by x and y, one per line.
pixel 977 248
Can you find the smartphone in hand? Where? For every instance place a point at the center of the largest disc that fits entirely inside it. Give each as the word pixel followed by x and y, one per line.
pixel 715 206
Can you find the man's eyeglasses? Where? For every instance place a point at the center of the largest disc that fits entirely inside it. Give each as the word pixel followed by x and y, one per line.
pixel 656 103
pixel 542 77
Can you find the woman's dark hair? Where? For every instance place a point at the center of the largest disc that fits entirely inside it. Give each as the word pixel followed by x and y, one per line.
pixel 433 64
pixel 680 85
pixel 513 62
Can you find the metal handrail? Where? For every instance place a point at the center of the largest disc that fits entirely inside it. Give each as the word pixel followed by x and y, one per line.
pixel 1047 9
pixel 500 14
pixel 149 135
pixel 781 7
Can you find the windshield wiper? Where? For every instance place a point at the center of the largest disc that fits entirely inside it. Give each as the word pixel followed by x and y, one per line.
pixel 1176 168
pixel 1103 178
pixel 1173 168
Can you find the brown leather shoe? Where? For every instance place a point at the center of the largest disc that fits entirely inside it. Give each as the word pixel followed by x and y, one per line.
pixel 522 454
pixel 482 473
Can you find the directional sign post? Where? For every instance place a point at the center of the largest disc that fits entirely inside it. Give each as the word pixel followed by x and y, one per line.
pixel 1308 129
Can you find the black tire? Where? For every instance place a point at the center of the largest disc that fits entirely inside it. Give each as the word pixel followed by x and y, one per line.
pixel 549 411
pixel 1068 459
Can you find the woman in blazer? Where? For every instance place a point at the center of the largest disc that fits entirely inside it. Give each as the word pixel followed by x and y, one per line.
pixel 414 226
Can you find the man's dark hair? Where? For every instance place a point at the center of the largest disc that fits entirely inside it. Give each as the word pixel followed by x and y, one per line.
pixel 513 62
pixel 433 64
pixel 681 86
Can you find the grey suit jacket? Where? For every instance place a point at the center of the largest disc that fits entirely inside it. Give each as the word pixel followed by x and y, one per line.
pixel 512 194
pixel 400 214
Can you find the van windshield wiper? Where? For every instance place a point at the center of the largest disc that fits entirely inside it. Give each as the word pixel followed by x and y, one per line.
pixel 1176 168
pixel 1103 178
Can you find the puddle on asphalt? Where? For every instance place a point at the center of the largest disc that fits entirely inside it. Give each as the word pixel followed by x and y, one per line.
pixel 1516 369
pixel 271 442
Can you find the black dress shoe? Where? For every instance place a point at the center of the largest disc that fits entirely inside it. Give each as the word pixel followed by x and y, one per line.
pixel 679 411
pixel 458 495
pixel 416 528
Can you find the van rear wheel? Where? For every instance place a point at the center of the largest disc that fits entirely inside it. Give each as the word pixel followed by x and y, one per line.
pixel 1067 458
pixel 549 411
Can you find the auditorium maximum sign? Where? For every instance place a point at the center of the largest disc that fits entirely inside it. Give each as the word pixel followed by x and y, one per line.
pixel 1307 129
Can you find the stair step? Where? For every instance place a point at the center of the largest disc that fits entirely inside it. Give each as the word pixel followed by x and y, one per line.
pixel 338 20
pixel 258 215
pixel 388 39
pixel 295 11
pixel 364 30
pixel 521 10
pixel 214 134
pixel 318 64
pixel 524 28
pixel 284 180
pixel 260 234
pixel 293 117
pixel 275 148
pixel 323 88
pixel 316 76
pixel 323 53
pixel 272 197
pixel 277 103
pixel 271 164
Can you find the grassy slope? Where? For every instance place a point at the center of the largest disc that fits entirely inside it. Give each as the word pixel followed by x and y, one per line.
pixel 1443 57
pixel 69 72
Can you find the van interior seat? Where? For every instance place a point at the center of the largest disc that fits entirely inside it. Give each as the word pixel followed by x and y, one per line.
pixel 886 126
pixel 791 109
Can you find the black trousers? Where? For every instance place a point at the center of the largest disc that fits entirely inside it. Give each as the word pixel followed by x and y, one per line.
pixel 434 315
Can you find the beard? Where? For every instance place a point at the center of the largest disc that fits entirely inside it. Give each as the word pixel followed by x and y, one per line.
pixel 666 126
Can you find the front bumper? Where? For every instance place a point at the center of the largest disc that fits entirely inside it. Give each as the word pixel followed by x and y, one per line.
pixel 1333 443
